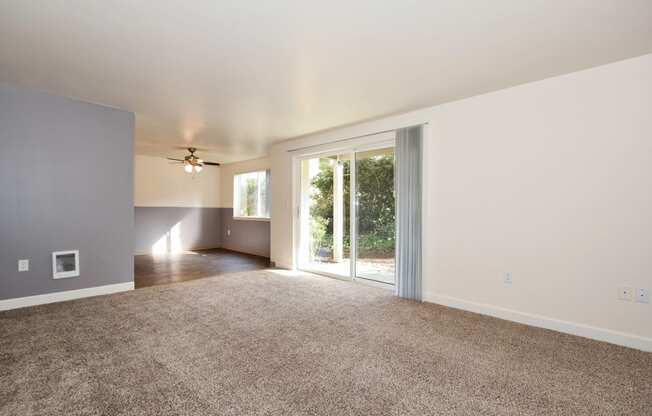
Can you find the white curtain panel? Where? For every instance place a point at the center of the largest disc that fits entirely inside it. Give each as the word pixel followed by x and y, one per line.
pixel 408 212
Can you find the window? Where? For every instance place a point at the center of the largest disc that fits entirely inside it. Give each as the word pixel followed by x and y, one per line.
pixel 251 194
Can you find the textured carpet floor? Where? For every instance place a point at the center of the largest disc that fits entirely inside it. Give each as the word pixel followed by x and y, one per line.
pixel 262 343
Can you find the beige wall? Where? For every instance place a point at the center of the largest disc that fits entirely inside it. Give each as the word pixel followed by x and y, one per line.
pixel 551 181
pixel 161 184
pixel 158 183
pixel 230 169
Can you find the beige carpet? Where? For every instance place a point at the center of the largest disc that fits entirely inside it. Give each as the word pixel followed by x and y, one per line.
pixel 261 343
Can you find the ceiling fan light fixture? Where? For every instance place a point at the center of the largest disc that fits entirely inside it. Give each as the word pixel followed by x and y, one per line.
pixel 192 163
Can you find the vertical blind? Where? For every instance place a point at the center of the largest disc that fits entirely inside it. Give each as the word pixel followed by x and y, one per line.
pixel 408 212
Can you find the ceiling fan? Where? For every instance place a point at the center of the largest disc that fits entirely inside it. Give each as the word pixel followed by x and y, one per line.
pixel 192 163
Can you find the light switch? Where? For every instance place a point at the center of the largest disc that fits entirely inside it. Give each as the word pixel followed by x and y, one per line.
pixel 23 265
pixel 642 295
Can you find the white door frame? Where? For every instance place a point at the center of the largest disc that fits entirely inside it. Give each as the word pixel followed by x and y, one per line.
pixel 377 141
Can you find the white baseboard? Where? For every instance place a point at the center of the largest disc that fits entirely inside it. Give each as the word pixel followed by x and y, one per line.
pixel 586 331
pixel 16 303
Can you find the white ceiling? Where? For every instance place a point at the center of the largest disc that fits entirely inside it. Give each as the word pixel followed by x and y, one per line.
pixel 235 76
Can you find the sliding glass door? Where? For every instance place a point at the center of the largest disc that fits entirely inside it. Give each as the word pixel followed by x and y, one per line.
pixel 347 214
pixel 325 214
pixel 375 215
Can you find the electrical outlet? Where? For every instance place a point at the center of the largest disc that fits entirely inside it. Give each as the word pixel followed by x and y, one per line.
pixel 228 232
pixel 625 293
pixel 23 265
pixel 508 278
pixel 642 295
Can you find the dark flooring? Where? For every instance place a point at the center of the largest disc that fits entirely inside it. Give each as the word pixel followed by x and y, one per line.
pixel 152 270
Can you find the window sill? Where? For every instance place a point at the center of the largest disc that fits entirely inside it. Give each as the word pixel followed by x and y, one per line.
pixel 263 219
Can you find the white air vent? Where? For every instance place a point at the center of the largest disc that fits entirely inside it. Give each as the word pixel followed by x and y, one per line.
pixel 65 264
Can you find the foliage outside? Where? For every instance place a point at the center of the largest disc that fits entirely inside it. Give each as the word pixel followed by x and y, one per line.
pixel 376 207
pixel 252 194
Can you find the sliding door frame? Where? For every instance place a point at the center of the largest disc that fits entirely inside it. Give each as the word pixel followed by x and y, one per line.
pixel 354 211
pixel 379 141
pixel 298 210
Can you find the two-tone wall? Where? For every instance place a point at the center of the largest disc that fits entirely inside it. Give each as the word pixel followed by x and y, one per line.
pixel 66 181
pixel 247 236
pixel 175 210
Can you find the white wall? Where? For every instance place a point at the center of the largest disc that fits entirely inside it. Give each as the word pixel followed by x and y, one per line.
pixel 230 169
pixel 158 183
pixel 551 181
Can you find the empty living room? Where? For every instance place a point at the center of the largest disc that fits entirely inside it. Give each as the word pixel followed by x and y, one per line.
pixel 363 207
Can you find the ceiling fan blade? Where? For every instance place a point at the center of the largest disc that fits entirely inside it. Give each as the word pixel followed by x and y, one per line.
pixel 211 164
pixel 186 147
pixel 176 160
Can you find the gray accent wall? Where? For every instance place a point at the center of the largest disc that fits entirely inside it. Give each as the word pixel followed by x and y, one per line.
pixel 66 183
pixel 200 228
pixel 196 227
pixel 247 236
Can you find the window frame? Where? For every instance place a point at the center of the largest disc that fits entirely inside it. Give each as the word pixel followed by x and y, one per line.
pixel 236 196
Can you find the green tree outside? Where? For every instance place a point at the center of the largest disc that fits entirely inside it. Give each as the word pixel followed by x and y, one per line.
pixel 376 206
